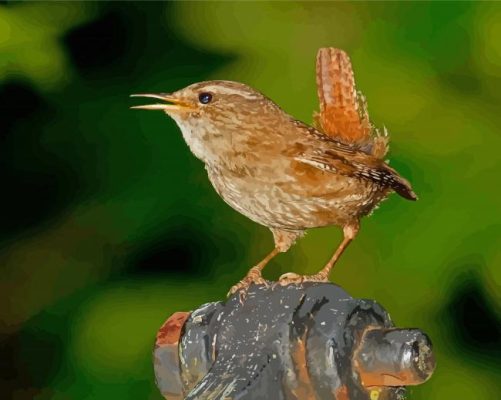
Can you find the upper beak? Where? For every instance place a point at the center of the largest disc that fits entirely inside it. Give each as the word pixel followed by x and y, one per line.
pixel 175 105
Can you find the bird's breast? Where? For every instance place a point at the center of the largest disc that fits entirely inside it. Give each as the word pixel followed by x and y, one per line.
pixel 274 198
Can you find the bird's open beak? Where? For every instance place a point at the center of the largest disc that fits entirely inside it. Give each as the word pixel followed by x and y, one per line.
pixel 175 104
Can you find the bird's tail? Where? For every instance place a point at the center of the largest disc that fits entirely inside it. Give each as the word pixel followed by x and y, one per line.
pixel 343 112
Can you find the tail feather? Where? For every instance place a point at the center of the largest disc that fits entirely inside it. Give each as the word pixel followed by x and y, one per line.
pixel 343 112
pixel 343 109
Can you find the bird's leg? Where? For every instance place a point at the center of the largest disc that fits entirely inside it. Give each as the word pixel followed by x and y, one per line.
pixel 283 241
pixel 254 274
pixel 349 232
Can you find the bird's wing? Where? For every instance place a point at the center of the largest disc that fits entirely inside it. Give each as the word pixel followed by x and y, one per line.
pixel 345 160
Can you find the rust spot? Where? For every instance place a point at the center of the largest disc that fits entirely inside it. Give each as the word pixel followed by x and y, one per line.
pixel 381 378
pixel 304 389
pixel 170 331
pixel 342 393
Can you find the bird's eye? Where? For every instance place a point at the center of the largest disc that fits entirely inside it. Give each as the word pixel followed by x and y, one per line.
pixel 204 98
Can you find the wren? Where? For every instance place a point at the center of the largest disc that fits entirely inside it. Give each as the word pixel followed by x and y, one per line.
pixel 276 170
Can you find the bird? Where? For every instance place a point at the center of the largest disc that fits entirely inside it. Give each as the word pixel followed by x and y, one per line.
pixel 281 172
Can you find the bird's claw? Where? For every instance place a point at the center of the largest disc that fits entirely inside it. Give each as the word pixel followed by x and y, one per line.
pixel 253 276
pixel 292 278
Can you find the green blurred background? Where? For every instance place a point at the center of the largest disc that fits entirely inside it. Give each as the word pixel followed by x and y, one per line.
pixel 109 224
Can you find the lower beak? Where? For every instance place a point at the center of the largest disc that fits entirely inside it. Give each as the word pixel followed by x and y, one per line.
pixel 175 104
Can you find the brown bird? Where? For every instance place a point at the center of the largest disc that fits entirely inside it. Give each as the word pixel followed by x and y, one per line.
pixel 278 171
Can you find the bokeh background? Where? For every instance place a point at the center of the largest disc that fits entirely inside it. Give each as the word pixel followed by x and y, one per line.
pixel 109 224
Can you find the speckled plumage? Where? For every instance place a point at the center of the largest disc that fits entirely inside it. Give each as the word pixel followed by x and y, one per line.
pixel 274 169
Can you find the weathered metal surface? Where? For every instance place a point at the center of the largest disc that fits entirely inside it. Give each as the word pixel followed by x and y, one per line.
pixel 296 342
pixel 394 357
pixel 166 356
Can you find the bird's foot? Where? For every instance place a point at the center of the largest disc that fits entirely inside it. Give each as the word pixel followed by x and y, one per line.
pixel 292 278
pixel 253 276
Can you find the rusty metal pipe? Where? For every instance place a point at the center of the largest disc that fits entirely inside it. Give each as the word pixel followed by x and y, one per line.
pixel 301 342
pixel 393 357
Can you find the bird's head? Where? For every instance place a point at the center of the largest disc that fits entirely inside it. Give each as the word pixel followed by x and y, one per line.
pixel 215 113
